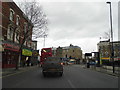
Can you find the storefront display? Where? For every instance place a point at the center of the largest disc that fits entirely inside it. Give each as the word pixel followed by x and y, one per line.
pixel 9 55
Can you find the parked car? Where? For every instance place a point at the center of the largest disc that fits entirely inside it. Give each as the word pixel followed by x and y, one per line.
pixel 52 65
pixel 71 61
pixel 92 63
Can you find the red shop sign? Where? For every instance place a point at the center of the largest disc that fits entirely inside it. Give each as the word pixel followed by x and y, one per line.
pixel 11 47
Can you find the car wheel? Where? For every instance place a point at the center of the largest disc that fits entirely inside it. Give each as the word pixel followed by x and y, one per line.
pixel 61 73
pixel 44 74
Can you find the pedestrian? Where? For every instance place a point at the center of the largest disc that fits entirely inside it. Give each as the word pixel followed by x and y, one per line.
pixel 38 63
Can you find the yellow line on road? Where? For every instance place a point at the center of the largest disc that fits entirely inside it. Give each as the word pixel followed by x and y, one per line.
pixel 15 73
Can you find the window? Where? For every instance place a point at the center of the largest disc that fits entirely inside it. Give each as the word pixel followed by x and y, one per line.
pixel 28 44
pixel 17 20
pixel 10 33
pixel 34 46
pixel 25 43
pixel 25 27
pixel 16 38
pixel 118 53
pixel 11 15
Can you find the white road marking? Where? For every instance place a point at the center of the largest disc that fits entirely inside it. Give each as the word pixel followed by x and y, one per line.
pixel 72 86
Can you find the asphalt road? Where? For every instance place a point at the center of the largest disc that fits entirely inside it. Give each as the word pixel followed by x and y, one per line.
pixel 74 77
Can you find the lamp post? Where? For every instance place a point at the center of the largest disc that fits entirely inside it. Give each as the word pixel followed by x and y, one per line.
pixel 44 39
pixel 112 50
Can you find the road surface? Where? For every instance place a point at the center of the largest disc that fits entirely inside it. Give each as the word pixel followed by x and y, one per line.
pixel 74 77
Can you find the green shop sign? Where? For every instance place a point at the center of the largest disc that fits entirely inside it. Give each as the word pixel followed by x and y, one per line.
pixel 26 52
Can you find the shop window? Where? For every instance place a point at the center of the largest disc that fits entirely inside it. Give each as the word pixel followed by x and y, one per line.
pixel 11 15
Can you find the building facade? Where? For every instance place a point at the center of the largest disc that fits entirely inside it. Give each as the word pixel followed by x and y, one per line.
pixel 35 54
pixel 72 52
pixel 105 52
pixel 14 25
pixel 69 52
pixel 59 52
pixel 54 50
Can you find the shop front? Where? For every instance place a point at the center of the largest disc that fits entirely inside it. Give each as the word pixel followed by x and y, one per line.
pixel 10 55
pixel 26 57
pixel 34 59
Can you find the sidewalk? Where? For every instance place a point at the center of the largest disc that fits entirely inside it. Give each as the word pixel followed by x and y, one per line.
pixel 104 69
pixel 7 71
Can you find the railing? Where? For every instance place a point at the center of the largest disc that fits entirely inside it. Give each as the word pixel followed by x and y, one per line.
pixel 104 69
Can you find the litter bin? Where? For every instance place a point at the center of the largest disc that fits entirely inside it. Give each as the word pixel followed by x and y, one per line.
pixel 88 65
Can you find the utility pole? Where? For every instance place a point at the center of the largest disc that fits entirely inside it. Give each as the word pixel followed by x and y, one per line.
pixel 112 49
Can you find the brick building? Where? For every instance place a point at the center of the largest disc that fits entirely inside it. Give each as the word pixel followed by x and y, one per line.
pixel 59 51
pixel 14 25
pixel 0 34
pixel 70 52
pixel 104 48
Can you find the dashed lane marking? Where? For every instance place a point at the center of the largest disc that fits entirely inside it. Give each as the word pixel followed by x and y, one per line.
pixel 72 86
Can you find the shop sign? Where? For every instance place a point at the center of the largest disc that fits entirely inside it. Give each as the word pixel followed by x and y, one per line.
pixel 26 52
pixel 106 58
pixel 35 53
pixel 116 59
pixel 11 47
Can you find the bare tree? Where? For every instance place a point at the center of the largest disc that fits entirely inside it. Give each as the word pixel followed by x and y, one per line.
pixel 36 16
pixel 107 35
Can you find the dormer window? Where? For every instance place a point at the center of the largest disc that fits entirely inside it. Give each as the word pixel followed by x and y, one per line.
pixel 11 15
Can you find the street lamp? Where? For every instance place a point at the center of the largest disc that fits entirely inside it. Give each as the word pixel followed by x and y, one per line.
pixel 112 51
pixel 44 39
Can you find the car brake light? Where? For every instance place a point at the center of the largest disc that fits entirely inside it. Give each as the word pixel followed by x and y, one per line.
pixel 61 63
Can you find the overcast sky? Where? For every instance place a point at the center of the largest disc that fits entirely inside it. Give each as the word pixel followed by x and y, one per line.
pixel 80 23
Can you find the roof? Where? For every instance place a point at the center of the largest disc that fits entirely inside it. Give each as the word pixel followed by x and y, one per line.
pixel 68 47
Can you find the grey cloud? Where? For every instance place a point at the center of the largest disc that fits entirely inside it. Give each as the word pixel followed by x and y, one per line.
pixel 78 22
pixel 77 19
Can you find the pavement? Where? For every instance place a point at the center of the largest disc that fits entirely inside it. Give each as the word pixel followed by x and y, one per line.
pixel 8 71
pixel 103 69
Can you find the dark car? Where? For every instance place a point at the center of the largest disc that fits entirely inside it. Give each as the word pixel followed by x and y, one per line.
pixel 52 65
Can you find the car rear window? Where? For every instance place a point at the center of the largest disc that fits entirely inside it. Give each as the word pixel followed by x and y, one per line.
pixel 53 59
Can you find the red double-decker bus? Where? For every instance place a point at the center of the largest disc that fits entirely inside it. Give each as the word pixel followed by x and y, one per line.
pixel 45 52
